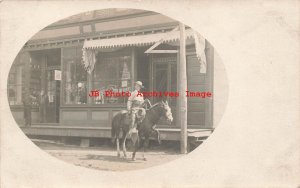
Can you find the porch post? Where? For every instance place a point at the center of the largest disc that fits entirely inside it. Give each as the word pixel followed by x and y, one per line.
pixel 182 107
pixel 133 69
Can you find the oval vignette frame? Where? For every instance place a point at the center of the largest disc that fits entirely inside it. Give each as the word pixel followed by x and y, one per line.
pixel 52 61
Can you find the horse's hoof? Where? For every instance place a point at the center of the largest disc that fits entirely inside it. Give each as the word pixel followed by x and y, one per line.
pixel 119 155
pixel 145 159
pixel 133 159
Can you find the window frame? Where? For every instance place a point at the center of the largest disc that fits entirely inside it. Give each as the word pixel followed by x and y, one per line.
pixel 115 54
pixel 89 83
pixel 16 65
pixel 64 60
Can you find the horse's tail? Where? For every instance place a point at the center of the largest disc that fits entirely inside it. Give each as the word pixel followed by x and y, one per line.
pixel 113 130
pixel 116 126
pixel 113 135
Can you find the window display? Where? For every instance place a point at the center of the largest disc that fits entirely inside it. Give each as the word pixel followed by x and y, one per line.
pixel 75 77
pixel 111 74
pixel 15 85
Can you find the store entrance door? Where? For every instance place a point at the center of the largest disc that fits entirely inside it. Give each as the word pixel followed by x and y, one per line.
pixel 165 80
pixel 53 92
pixel 51 84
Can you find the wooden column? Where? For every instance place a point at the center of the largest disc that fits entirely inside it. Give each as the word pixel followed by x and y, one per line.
pixel 62 83
pixel 182 106
pixel 89 87
pixel 133 71
pixel 43 73
pixel 209 52
pixel 25 58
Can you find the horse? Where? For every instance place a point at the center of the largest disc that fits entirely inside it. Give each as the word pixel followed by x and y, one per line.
pixel 147 127
pixel 121 125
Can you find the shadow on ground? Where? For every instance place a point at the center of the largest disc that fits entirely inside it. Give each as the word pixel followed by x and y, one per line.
pixel 108 158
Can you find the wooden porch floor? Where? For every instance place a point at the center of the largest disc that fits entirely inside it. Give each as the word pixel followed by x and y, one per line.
pixel 104 132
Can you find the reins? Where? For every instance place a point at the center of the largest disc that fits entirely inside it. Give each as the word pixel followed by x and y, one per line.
pixel 153 106
pixel 154 114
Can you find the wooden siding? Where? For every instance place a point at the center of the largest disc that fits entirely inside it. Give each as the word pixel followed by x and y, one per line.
pixel 132 23
pixel 62 32
pixel 200 109
pixel 88 116
pixel 18 114
pixel 97 28
pixel 196 82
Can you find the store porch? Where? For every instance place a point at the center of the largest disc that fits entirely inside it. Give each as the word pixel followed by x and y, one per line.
pixel 195 135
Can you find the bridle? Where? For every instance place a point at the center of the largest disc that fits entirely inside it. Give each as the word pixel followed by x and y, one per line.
pixel 148 101
pixel 153 106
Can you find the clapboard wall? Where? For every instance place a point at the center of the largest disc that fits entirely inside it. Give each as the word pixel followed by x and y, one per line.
pixel 200 109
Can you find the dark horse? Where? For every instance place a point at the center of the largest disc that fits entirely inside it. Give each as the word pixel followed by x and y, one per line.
pixel 147 127
pixel 121 124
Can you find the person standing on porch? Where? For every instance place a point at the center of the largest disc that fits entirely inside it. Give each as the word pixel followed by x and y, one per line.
pixel 82 94
pixel 27 102
pixel 134 103
pixel 43 102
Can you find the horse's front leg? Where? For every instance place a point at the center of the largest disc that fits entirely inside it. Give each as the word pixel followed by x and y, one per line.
pixel 118 147
pixel 158 136
pixel 145 146
pixel 124 145
pixel 156 132
pixel 135 147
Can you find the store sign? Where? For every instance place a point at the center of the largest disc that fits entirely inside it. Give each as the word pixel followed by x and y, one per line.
pixel 51 98
pixel 124 83
pixel 57 75
pixel 125 72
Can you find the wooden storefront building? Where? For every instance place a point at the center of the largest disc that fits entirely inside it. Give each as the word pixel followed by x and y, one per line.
pixel 52 61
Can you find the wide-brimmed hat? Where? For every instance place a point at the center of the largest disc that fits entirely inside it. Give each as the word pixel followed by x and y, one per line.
pixel 139 83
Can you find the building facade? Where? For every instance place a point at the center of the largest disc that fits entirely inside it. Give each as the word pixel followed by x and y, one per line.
pixel 52 61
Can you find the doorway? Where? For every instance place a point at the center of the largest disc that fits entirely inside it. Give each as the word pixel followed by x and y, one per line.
pixel 49 63
pixel 164 76
pixel 52 84
pixel 53 92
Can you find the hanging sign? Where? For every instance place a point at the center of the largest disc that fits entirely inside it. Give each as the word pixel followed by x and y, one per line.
pixel 125 72
pixel 57 75
pixel 124 83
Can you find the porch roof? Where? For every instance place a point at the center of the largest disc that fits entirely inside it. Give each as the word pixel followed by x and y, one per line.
pixel 136 40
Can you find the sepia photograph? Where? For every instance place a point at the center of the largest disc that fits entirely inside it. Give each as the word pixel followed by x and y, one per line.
pixel 149 93
pixel 116 89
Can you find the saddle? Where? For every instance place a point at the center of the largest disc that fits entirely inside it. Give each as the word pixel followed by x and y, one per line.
pixel 140 115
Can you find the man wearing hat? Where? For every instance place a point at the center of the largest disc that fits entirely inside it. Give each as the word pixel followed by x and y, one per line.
pixel 134 104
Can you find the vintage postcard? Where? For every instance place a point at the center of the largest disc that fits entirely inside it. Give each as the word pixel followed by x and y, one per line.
pixel 150 93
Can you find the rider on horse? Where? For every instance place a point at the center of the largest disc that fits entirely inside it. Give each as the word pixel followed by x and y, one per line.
pixel 135 105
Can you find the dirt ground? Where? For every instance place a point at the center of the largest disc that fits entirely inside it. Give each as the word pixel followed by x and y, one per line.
pixel 105 157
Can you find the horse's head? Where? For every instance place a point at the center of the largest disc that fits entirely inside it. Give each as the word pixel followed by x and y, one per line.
pixel 166 111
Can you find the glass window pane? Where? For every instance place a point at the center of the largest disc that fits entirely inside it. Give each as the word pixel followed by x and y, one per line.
pixel 74 77
pixel 112 74
pixel 15 85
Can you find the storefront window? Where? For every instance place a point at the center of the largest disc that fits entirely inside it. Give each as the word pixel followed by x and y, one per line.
pixel 25 73
pixel 75 77
pixel 111 74
pixel 15 85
